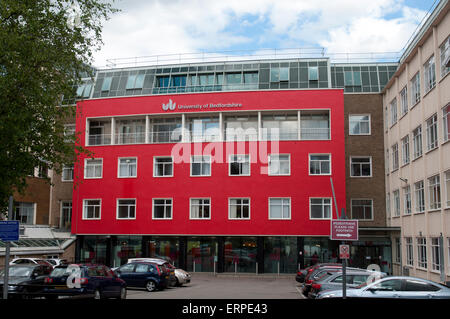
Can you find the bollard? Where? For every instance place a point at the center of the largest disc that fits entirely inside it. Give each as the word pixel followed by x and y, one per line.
pixel 194 265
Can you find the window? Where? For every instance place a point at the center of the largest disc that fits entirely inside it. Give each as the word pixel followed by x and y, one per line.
pixel 135 81
pixel 388 205
pixel 420 197
pixel 447 186
pixel 67 173
pixel 279 165
pixel 432 138
pixel 84 90
pixel 279 208
pixel 409 251
pixel 415 89
pixel 162 167
pixel 418 285
pixel 434 189
pixel 204 129
pixel 352 78
pixel 315 125
pixel 239 208
pixel 24 212
pixel 162 208
pixel 69 133
pixel 417 142
pixel 280 126
pixel 165 130
pixel 239 165
pixel 200 208
pixel 126 208
pixel 241 128
pixel 279 74
pixel 407 200
pixel 130 131
pixel 445 53
pixel 320 208
pixel 127 167
pixel 91 208
pixel 394 157
pixel 200 165
pixel 319 164
pixel 66 215
pixel 389 285
pixel 396 195
pixel 359 125
pixel 93 168
pixel 422 252
pixel 393 107
pixel 405 150
pixel 446 122
pixel 362 209
pixel 435 254
pixel 360 166
pixel 429 74
pixel 398 249
pixel 404 100
pixel 386 162
pixel 106 85
pixel 313 73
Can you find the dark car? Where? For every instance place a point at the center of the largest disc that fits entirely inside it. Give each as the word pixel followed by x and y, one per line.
pixel 334 280
pixel 148 275
pixel 84 280
pixel 321 272
pixel 25 280
pixel 301 274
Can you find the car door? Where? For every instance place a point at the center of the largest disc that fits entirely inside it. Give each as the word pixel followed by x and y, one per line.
pixel 390 288
pixel 112 285
pixel 418 289
pixel 126 273
pixel 142 272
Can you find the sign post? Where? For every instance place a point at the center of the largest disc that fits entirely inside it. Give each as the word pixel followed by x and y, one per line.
pixel 9 231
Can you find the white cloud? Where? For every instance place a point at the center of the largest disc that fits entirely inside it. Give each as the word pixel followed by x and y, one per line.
pixel 146 28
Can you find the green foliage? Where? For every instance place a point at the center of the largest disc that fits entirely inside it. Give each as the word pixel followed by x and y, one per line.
pixel 46 47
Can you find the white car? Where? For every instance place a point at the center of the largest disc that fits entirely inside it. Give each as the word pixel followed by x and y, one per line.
pixel 56 261
pixel 182 276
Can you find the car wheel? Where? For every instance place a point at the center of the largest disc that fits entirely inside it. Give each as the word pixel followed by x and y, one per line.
pixel 97 294
pixel 123 293
pixel 150 286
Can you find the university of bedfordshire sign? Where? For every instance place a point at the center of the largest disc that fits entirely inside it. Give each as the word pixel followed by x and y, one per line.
pixel 171 106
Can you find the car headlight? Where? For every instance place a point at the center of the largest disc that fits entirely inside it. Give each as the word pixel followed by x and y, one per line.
pixel 13 287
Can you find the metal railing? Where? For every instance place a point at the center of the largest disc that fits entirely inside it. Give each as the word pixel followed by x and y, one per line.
pixel 130 138
pixel 99 139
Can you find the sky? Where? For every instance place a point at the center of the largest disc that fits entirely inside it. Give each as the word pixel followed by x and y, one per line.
pixel 162 27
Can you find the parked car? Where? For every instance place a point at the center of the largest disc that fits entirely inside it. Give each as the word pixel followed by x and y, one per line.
pixel 24 280
pixel 301 274
pixel 33 261
pixel 150 275
pixel 334 280
pixel 321 272
pixel 87 280
pixel 56 261
pixel 178 276
pixel 400 287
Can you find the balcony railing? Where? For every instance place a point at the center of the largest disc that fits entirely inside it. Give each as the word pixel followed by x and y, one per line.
pixel 315 134
pixel 130 138
pixel 99 139
pixel 165 136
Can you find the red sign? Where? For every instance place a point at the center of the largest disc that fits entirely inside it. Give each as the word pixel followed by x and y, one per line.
pixel 344 251
pixel 344 229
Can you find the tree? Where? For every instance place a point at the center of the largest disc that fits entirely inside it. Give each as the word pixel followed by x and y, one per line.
pixel 46 46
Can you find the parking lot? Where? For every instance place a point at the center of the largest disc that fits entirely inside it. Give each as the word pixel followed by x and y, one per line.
pixel 208 286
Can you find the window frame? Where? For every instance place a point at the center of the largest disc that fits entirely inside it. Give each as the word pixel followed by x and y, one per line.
pixel 371 208
pixel 331 208
pixel 201 167
pixel 165 206
pixel 434 192
pixel 86 160
pixel 248 159
pixel 84 217
pixel 320 161
pixel 242 205
pixel 432 132
pixel 282 206
pixel 368 121
pixel 125 158
pixel 190 208
pixel 361 176
pixel 69 168
pixel 269 162
pixel 155 158
pixel 128 211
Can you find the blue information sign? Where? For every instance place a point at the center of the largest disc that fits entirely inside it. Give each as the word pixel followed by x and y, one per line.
pixel 9 230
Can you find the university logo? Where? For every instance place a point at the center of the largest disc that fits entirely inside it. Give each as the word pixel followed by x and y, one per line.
pixel 169 106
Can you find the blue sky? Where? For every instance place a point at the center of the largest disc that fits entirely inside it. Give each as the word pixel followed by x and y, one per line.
pixel 158 27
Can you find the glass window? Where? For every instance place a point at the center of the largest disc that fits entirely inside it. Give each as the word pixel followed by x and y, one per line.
pixel 127 268
pixel 420 196
pixel 280 126
pixel 315 125
pixel 415 89
pixel 93 168
pixel 352 78
pixel 130 131
pixel 435 254
pixel 67 173
pixel 404 100
pixel 447 186
pixel 434 189
pixel 359 124
pixel 394 156
pixel 432 138
pixel 279 208
pixel 393 107
pixel 405 150
pixel 422 252
pixel 313 73
pixel 24 212
pixel 106 85
pixel 445 53
pixel 409 251
pixel 362 209
pixel 389 285
pixel 446 122
pixel 165 130
pixel 126 208
pixel 162 208
pixel 200 208
pixel 239 208
pixel 430 74
pixel 201 166
pixel 279 165
pixel 417 142
pixel 91 208
pixel 142 268
pixel 320 208
pixel 319 164
pixel 396 195
pixel 360 166
pixel 127 167
pixel 204 129
pixel 417 285
pixel 279 74
pixel 66 215
pixel 163 167
pixel 135 81
pixel 241 128
pixel 239 165
pixel 407 200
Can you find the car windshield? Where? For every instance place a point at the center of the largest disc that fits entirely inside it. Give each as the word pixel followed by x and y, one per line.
pixel 65 271
pixel 18 271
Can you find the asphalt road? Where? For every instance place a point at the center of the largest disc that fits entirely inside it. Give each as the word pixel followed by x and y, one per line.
pixel 207 286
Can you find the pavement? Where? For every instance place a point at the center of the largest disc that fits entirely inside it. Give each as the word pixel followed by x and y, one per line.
pixel 227 286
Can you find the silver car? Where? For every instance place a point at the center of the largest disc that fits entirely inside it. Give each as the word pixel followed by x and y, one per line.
pixel 181 276
pixel 395 287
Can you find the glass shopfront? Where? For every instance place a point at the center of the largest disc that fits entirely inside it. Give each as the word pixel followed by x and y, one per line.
pixel 320 250
pixel 240 254
pixel 125 247
pixel 280 254
pixel 201 254
pixel 94 250
pixel 167 248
